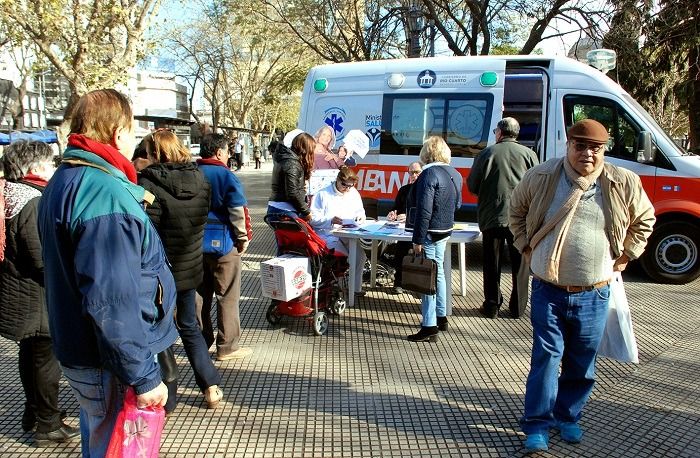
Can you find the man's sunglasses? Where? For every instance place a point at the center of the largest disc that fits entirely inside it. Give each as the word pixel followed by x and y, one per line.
pixel 346 185
pixel 414 172
pixel 580 147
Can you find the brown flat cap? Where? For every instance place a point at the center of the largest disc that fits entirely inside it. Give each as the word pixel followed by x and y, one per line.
pixel 589 130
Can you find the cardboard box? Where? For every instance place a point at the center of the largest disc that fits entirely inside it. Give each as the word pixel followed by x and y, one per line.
pixel 285 277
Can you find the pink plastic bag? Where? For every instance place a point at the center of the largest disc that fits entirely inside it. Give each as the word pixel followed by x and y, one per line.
pixel 137 431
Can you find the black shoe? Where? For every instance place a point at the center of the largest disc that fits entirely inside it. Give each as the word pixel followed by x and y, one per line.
pixel 515 311
pixel 426 334
pixel 442 323
pixel 28 420
pixel 489 311
pixel 63 434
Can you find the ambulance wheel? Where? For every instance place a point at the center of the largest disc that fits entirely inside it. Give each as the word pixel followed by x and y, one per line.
pixel 272 315
pixel 673 253
pixel 338 305
pixel 320 323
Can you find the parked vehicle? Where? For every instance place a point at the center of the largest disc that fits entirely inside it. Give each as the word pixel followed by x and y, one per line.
pixel 399 103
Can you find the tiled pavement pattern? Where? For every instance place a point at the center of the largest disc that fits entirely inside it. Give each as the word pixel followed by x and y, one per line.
pixel 364 391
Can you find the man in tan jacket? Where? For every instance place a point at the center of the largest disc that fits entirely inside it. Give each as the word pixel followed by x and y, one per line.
pixel 576 220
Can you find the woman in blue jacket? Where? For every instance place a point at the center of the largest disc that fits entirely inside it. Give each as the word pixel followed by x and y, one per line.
pixel 432 202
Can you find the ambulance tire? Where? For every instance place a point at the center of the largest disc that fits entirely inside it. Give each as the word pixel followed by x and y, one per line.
pixel 672 255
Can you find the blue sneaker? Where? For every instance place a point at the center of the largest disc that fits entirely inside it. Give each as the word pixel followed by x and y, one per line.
pixel 570 432
pixel 536 442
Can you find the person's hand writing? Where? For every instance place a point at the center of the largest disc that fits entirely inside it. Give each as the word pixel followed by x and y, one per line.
pixel 337 220
pixel 391 216
pixel 401 217
pixel 158 396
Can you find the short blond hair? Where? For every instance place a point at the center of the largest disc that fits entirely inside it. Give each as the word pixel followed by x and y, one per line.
pixel 435 150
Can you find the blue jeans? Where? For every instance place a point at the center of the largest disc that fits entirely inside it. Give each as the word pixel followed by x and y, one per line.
pixel 205 373
pixel 101 397
pixel 566 328
pixel 435 305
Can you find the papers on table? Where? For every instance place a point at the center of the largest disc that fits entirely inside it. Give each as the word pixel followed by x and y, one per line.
pixel 383 227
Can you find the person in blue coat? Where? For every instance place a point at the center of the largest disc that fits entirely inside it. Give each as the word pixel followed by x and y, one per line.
pixel 109 290
pixel 432 203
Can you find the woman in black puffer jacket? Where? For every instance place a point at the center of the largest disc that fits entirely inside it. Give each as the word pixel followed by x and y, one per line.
pixel 179 213
pixel 292 168
pixel 23 314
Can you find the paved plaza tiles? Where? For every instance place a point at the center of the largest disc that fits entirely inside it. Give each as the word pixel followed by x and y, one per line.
pixel 364 391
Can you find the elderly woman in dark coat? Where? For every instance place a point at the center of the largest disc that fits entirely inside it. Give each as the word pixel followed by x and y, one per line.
pixel 23 314
pixel 432 202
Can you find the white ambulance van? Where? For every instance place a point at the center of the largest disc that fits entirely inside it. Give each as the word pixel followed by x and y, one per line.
pixel 399 103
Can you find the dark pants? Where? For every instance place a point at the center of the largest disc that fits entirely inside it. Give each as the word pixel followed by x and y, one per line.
pixel 40 372
pixel 494 241
pixel 401 250
pixel 205 373
pixel 257 162
pixel 223 277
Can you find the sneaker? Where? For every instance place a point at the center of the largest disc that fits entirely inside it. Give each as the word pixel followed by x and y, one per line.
pixel 238 354
pixel 536 443
pixel 570 432
pixel 213 395
pixel 63 434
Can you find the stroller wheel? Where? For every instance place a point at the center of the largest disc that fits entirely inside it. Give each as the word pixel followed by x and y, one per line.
pixel 272 315
pixel 320 323
pixel 338 305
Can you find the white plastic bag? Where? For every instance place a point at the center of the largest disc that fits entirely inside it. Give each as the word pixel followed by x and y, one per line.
pixel 618 340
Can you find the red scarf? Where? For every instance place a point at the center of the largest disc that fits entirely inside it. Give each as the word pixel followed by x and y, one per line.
pixel 35 179
pixel 107 152
pixel 211 161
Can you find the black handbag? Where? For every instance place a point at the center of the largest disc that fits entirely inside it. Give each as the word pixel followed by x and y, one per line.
pixel 419 274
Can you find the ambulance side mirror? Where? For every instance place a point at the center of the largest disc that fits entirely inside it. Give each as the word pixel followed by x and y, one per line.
pixel 646 152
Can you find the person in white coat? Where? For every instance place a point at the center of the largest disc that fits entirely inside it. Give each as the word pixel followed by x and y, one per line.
pixel 339 203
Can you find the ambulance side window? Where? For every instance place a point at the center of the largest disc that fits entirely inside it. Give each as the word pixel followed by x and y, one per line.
pixel 461 119
pixel 623 130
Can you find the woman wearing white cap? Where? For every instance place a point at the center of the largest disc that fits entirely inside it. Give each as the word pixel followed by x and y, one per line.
pixel 293 162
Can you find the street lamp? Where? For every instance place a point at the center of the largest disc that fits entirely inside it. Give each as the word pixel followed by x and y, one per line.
pixel 415 27
pixel 414 19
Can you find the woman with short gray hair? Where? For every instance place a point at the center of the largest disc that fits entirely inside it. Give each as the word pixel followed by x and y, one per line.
pixel 23 315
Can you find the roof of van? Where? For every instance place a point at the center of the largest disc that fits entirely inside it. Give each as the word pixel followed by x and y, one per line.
pixel 564 71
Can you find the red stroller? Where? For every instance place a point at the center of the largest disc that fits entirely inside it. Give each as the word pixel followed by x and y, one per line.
pixel 328 270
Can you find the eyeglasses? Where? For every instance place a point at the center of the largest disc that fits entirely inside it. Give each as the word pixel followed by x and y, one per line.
pixel 414 172
pixel 346 185
pixel 580 147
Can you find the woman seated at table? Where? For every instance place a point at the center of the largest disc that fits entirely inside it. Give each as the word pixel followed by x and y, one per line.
pixel 337 203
